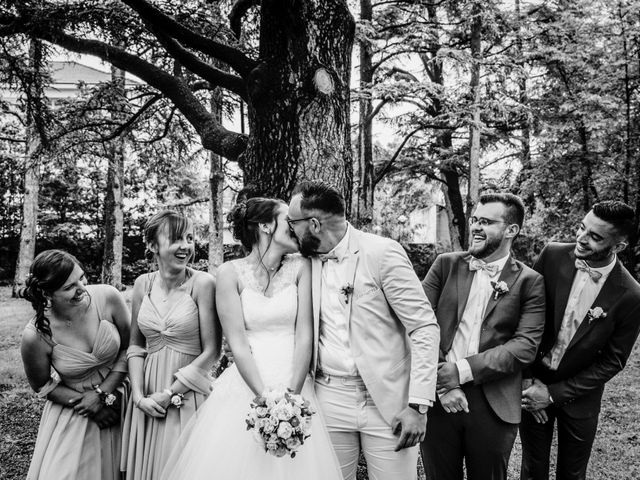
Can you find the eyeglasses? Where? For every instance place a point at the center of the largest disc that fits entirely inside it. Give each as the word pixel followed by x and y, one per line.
pixel 483 222
pixel 292 221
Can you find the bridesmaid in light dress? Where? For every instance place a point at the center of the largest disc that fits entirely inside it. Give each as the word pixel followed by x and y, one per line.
pixel 175 340
pixel 73 352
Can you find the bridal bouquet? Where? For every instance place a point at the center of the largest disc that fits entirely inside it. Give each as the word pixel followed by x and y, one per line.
pixel 281 420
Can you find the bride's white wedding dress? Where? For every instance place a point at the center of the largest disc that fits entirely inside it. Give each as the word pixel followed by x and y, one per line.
pixel 216 444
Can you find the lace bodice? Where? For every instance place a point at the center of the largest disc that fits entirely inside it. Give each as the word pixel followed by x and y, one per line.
pixel 270 319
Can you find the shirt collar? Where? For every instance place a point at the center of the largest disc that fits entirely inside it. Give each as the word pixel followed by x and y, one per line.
pixel 342 248
pixel 500 263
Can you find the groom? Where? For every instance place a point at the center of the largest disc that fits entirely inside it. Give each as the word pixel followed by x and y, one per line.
pixel 592 322
pixel 375 338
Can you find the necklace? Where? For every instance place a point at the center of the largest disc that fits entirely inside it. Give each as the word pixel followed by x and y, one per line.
pixel 166 297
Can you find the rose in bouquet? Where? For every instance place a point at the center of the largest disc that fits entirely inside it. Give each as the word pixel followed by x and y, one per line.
pixel 281 420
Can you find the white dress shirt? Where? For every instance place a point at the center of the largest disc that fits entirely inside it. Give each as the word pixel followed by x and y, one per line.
pixel 584 292
pixel 334 349
pixel 466 340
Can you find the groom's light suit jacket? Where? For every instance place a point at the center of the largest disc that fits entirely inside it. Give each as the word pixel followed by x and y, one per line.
pixel 512 326
pixel 393 331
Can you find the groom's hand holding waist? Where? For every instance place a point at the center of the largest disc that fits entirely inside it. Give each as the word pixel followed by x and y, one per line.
pixel 409 426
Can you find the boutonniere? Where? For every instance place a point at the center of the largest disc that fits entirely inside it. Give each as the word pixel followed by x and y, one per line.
pixel 595 314
pixel 346 291
pixel 499 288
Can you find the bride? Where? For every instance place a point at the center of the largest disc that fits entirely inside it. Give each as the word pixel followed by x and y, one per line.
pixel 264 304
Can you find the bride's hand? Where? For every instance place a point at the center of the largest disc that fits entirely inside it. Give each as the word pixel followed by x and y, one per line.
pixel 151 407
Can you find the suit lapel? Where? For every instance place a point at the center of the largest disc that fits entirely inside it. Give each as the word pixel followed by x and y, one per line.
pixel 509 275
pixel 612 289
pixel 464 279
pixel 564 280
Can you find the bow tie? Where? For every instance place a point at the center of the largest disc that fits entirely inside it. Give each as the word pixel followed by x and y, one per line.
pixel 325 257
pixel 477 264
pixel 583 266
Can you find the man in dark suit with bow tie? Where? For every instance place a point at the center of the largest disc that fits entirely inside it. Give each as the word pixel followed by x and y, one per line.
pixel 490 309
pixel 592 322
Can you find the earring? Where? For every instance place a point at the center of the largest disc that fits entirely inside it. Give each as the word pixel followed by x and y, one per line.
pixel 47 303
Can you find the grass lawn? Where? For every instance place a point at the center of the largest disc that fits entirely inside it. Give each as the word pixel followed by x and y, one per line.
pixel 616 452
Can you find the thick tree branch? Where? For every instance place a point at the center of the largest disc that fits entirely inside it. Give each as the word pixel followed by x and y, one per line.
pixel 213 75
pixel 239 9
pixel 162 22
pixel 213 135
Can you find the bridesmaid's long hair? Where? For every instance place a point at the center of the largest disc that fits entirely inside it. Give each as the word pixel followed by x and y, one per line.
pixel 48 272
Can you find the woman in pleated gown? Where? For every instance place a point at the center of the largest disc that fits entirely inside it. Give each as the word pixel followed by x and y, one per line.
pixel 175 339
pixel 73 352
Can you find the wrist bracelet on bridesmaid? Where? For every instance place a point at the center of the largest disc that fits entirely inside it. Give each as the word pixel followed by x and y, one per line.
pixel 138 402
pixel 107 398
pixel 175 399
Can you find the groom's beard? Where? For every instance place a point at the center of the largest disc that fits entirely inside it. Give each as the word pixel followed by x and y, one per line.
pixel 308 244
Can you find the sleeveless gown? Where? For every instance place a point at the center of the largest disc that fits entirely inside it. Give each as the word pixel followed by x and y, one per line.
pixel 217 445
pixel 70 446
pixel 173 342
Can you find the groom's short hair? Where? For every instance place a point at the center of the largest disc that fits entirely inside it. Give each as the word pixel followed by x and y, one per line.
pixel 618 214
pixel 514 207
pixel 318 195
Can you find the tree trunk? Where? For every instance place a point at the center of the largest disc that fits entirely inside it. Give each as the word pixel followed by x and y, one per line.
pixel 299 97
pixel 525 150
pixel 474 127
pixel 29 225
pixel 216 184
pixel 454 204
pixel 362 210
pixel 113 215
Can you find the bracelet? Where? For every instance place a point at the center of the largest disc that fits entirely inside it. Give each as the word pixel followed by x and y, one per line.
pixel 168 391
pixel 107 398
pixel 138 402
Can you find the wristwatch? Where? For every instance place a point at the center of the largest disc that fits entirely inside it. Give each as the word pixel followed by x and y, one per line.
pixel 419 407
pixel 107 398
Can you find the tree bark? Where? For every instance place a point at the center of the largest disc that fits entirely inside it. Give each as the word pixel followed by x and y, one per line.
pixel 364 183
pixel 27 249
pixel 216 185
pixel 525 150
pixel 299 97
pixel 474 127
pixel 113 215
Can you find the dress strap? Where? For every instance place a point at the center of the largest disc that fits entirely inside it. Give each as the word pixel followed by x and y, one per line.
pixel 191 274
pixel 150 278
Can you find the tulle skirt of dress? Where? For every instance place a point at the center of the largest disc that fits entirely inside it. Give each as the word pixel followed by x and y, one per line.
pixel 217 445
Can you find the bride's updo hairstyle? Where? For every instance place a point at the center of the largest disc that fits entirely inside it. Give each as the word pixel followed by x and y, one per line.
pixel 48 272
pixel 246 216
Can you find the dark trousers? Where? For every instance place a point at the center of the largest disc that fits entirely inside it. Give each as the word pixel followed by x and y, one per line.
pixel 575 439
pixel 479 438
